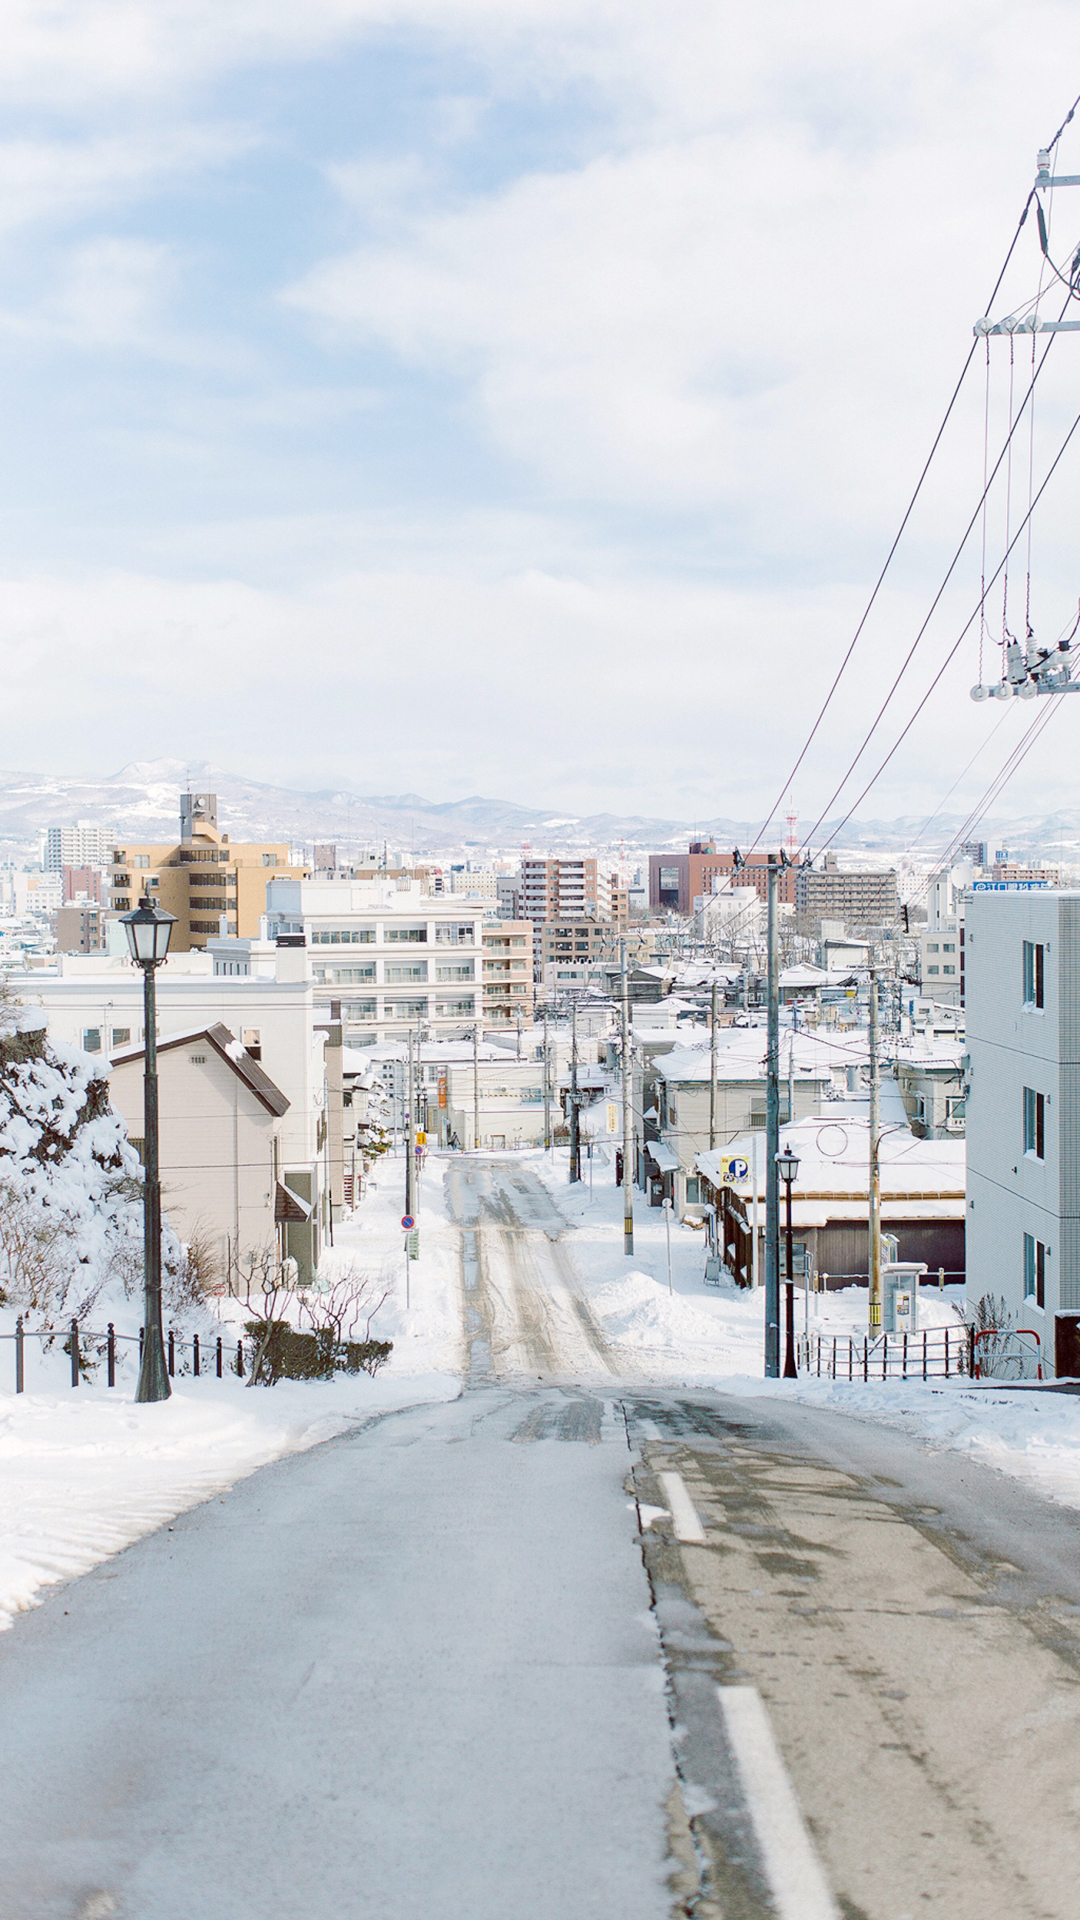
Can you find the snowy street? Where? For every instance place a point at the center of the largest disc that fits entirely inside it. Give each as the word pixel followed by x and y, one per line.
pixel 621 1629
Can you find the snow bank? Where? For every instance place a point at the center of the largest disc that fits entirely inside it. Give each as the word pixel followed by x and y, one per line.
pixel 88 1473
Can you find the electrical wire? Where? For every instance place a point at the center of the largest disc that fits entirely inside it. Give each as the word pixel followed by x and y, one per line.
pixel 934 604
pixel 853 643
pixel 908 511
pixel 953 650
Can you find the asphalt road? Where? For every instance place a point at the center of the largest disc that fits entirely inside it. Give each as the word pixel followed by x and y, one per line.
pixel 434 1669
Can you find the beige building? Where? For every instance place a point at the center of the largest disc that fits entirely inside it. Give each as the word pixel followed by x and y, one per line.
pixel 507 972
pixel 219 1147
pixel 209 884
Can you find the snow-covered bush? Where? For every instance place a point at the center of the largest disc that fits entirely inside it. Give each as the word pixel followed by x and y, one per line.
pixel 71 1216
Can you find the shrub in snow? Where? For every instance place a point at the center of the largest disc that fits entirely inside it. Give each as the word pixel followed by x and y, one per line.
pixel 339 1310
pixel 71 1217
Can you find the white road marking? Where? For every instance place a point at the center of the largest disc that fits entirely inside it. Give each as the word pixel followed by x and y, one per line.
pixel 687 1524
pixel 799 1887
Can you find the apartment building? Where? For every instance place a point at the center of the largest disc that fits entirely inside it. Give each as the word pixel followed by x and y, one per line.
pixel 570 890
pixel 83 845
pixel 676 880
pixel 1023 1109
pixel 392 954
pixel 208 883
pixel 507 973
pixel 79 929
pixel 858 899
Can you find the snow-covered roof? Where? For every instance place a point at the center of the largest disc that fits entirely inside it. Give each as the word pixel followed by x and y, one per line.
pixel 920 1179
pixel 229 1049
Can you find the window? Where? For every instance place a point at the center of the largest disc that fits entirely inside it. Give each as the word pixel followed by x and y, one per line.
pixel 1034 1123
pixel 455 1009
pixel 405 934
pixel 932 946
pixel 121 1036
pixel 948 969
pixel 197 1059
pixel 1034 1270
pixel 933 969
pixel 462 971
pixel 955 1106
pixel 948 946
pixel 405 1009
pixel 269 859
pixel 1034 952
pixel 91 1039
pixel 401 976
pixel 348 976
pixel 453 934
pixel 140 859
pixel 339 936
pixel 360 1010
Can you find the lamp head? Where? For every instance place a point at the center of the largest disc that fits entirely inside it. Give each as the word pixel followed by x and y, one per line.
pixel 148 931
pixel 787 1165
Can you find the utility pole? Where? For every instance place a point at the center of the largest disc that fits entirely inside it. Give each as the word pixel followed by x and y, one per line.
pixel 712 1069
pixel 476 1086
pixel 410 1141
pixel 575 1143
pixel 875 1162
pixel 627 1110
pixel 772 1138
pixel 547 1088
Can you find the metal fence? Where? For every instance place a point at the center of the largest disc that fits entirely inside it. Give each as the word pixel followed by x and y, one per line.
pixel 86 1351
pixel 935 1353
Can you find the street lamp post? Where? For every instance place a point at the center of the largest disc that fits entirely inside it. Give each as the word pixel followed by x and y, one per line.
pixel 148 930
pixel 787 1166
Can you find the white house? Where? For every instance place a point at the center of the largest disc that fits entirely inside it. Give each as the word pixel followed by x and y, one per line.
pixel 1023 1111
pixel 219 1148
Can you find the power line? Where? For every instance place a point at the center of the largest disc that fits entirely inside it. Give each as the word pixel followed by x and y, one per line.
pixel 1006 452
pixel 908 511
pixel 953 650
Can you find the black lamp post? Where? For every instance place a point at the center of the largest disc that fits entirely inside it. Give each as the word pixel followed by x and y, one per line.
pixel 787 1166
pixel 148 930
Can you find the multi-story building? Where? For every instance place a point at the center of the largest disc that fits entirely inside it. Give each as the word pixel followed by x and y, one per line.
pixel 398 957
pixel 676 880
pixel 569 890
pixel 209 884
pixel 79 929
pixel 507 973
pixel 858 899
pixel 1023 1109
pixel 83 845
pixel 580 955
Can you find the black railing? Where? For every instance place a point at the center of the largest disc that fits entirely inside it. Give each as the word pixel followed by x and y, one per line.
pixel 934 1353
pixel 188 1354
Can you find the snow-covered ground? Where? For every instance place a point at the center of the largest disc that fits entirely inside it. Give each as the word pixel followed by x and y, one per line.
pixel 714 1337
pixel 84 1472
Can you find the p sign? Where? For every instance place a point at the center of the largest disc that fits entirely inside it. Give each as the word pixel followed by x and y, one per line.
pixel 733 1169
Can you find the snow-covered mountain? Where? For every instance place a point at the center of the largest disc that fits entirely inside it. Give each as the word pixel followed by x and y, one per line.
pixel 142 800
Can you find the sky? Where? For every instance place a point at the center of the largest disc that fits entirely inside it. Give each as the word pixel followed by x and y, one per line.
pixel 520 397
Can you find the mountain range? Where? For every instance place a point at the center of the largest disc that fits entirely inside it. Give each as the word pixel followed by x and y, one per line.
pixel 142 800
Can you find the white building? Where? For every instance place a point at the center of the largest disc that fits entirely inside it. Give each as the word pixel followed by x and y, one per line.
pixel 83 845
pixel 393 955
pixel 1023 1024
pixel 95 1002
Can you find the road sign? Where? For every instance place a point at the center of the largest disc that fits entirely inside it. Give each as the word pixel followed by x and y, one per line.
pixel 421 1138
pixel 407 1221
pixel 442 1089
pixel 412 1244
pixel 733 1169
